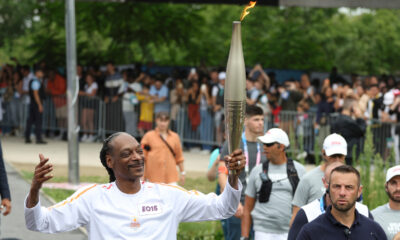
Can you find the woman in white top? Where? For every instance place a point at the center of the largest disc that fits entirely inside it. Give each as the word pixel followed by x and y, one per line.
pixel 89 105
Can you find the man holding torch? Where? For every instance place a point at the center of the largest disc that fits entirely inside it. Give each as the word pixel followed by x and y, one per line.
pixel 128 208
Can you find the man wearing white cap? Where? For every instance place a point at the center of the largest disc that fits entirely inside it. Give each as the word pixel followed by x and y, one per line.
pixel 270 189
pixel 388 215
pixel 217 94
pixel 311 187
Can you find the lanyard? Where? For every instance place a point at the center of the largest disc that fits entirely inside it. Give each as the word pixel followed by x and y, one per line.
pixel 246 154
pixel 321 204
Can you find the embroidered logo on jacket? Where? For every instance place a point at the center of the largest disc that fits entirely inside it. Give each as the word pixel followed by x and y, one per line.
pixel 135 224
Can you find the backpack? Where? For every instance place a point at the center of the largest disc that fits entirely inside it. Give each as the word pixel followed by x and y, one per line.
pixel 266 187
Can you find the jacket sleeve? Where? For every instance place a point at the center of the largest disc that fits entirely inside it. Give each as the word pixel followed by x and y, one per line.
pixel 299 221
pixel 64 216
pixel 200 207
pixel 4 188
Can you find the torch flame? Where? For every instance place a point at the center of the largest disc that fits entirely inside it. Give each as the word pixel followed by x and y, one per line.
pixel 245 12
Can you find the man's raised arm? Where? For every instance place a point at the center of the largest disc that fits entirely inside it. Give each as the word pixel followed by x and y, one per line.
pixel 41 175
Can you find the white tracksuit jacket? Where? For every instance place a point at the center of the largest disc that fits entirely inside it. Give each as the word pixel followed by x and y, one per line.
pixel 153 213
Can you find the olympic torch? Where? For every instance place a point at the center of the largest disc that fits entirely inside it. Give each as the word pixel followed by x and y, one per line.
pixel 235 90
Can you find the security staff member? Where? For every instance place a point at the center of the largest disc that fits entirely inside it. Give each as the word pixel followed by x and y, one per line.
pixel 317 207
pixel 342 220
pixel 35 117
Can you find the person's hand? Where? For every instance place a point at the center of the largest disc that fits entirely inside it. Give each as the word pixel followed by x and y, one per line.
pixel 114 99
pixel 6 203
pixel 40 108
pixel 235 161
pixel 41 174
pixel 239 211
pixel 106 100
pixel 182 179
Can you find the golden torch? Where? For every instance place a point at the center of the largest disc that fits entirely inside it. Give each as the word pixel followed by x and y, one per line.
pixel 235 87
pixel 235 90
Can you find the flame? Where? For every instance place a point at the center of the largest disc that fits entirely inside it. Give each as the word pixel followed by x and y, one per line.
pixel 245 12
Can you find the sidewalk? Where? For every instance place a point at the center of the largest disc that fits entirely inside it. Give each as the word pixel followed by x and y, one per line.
pixel 13 225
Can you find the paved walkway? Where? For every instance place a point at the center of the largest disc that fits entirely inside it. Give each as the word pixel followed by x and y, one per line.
pixel 13 225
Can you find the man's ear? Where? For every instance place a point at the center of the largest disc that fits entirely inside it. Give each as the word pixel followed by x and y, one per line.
pixel 245 121
pixel 359 191
pixel 108 161
pixel 325 182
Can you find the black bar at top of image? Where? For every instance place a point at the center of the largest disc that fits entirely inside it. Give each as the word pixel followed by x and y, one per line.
pixel 238 2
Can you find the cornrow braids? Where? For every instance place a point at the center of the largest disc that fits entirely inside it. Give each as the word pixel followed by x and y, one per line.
pixel 107 149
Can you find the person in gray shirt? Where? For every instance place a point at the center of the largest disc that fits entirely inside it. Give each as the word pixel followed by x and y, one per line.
pixel 388 215
pixel 271 216
pixel 311 187
pixel 254 127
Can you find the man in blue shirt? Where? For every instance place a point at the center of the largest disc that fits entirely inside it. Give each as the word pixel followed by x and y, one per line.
pixel 35 117
pixel 342 220
pixel 159 93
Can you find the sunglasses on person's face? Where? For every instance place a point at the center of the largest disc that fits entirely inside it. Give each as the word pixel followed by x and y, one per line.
pixel 269 144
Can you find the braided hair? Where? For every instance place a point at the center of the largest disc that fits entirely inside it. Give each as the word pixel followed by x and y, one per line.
pixel 107 149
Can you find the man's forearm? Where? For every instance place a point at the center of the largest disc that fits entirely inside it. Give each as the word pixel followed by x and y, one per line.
pixel 37 98
pixel 233 181
pixel 180 165
pixel 33 198
pixel 246 222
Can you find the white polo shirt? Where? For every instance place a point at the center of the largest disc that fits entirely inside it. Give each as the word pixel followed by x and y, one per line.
pixel 153 213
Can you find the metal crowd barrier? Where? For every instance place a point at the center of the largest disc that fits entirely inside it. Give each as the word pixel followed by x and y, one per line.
pixel 100 119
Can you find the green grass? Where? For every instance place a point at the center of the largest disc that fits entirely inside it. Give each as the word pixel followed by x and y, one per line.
pixel 210 230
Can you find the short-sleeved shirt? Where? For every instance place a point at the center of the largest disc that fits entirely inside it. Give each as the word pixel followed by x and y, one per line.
pixel 112 84
pixel 328 228
pixel 162 92
pixel 35 84
pixel 388 218
pixel 310 188
pixel 253 94
pixel 129 99
pixel 213 157
pixel 160 163
pixel 91 88
pixel 312 210
pixel 252 148
pixel 274 215
pixel 215 90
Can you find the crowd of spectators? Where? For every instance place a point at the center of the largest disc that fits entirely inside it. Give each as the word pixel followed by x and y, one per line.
pixel 132 95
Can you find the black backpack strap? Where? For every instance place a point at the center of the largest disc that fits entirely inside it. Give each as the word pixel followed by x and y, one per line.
pixel 169 146
pixel 292 174
pixel 265 167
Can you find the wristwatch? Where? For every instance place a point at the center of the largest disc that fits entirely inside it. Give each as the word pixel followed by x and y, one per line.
pixel 244 238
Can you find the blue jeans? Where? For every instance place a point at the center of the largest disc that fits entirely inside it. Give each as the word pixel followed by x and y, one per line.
pixel 234 230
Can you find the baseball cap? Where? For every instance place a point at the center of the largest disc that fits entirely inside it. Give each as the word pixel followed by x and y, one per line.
pixel 335 144
pixel 388 98
pixel 221 75
pixel 392 172
pixel 275 135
